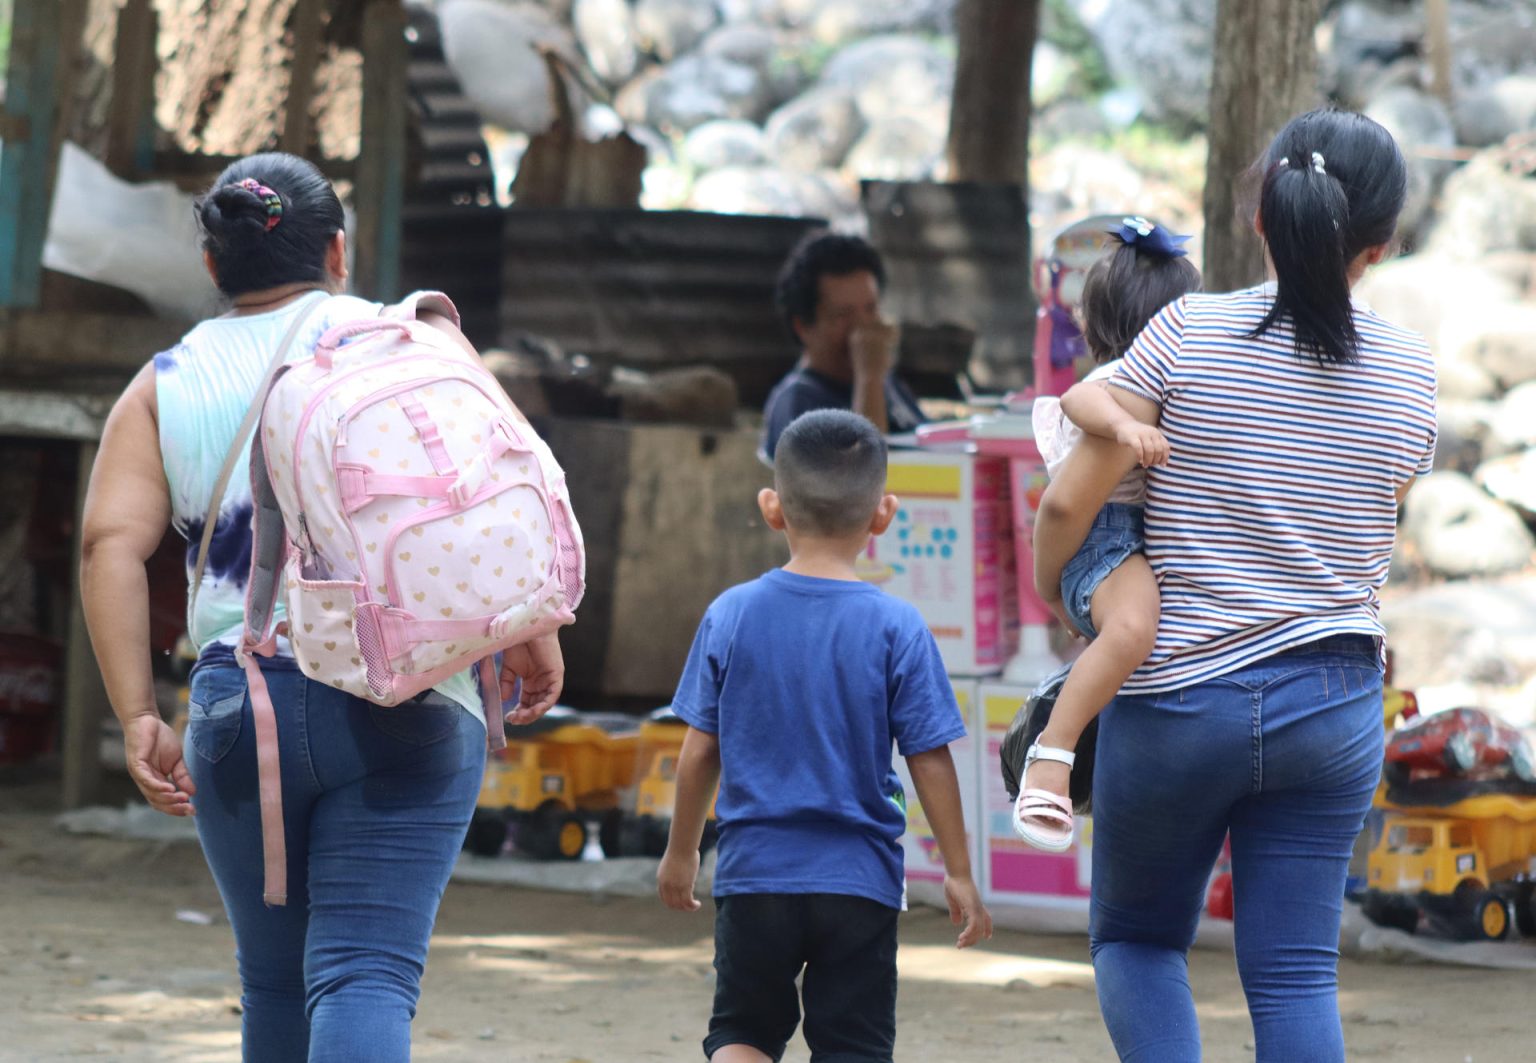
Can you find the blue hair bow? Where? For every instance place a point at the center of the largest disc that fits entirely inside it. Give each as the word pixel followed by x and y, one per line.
pixel 1141 234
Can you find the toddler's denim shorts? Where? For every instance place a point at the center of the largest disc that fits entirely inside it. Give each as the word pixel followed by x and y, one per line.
pixel 1118 532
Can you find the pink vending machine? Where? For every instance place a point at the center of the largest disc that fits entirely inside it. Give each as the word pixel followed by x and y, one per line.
pixel 1058 353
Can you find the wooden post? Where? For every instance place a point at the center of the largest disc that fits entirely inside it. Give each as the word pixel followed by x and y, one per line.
pixel 1265 73
pixel 379 190
pixel 131 120
pixel 305 25
pixel 85 696
pixel 1437 38
pixel 45 41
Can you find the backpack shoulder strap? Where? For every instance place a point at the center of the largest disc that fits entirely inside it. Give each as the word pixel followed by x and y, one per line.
pixel 269 547
pixel 242 433
pixel 417 303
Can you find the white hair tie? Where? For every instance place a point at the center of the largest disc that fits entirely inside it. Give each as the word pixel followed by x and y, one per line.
pixel 1318 163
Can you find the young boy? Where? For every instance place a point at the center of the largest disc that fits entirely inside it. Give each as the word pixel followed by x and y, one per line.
pixel 797 685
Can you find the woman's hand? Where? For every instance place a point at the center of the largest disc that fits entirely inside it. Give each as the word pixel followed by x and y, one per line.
pixel 540 667
pixel 156 765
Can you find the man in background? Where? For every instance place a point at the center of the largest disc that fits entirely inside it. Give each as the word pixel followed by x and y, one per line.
pixel 829 296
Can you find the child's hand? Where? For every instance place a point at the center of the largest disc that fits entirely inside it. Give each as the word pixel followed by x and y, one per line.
pixel 1058 609
pixel 675 879
pixel 1150 445
pixel 965 906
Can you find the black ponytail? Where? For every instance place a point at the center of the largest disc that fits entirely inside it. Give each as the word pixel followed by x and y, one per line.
pixel 1334 185
pixel 252 251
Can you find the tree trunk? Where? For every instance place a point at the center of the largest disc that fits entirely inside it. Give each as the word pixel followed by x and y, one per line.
pixel 989 112
pixel 1265 74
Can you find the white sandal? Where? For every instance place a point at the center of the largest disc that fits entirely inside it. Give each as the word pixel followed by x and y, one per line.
pixel 1041 818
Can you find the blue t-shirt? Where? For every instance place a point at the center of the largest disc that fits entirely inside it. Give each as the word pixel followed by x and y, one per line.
pixel 803 390
pixel 807 682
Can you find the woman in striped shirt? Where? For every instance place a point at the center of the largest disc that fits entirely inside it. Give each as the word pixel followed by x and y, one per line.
pixel 1296 421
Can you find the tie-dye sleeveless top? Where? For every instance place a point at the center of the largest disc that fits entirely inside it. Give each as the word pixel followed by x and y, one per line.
pixel 203 388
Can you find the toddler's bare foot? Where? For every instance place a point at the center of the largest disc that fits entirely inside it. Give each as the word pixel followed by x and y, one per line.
pixel 1048 775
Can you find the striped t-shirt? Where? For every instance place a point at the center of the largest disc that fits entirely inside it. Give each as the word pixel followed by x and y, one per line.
pixel 1273 522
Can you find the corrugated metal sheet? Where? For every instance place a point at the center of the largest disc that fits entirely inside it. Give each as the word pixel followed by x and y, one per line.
pixel 959 254
pixel 653 289
pixel 452 227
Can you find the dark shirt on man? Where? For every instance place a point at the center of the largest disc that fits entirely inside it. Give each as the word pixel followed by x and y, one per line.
pixel 803 390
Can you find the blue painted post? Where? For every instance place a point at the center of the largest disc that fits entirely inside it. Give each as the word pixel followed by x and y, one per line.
pixel 44 38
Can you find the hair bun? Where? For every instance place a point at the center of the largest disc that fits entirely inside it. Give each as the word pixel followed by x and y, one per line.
pixel 229 208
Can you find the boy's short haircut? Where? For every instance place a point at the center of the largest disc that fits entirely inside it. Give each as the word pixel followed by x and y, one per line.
pixel 829 471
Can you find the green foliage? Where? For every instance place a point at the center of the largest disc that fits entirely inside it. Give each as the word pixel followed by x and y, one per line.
pixel 1060 26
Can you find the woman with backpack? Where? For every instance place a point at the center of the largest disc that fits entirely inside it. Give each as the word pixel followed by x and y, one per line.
pixel 1296 421
pixel 374 801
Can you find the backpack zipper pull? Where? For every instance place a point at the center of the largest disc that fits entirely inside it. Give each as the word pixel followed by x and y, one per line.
pixel 307 546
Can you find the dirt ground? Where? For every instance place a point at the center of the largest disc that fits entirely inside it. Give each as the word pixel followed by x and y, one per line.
pixel 94 961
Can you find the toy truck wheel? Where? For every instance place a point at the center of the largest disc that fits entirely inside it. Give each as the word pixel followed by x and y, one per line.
pixel 570 836
pixel 1525 911
pixel 632 837
pixel 1481 915
pixel 1392 911
pixel 655 835
pixel 610 833
pixel 540 834
pixel 487 833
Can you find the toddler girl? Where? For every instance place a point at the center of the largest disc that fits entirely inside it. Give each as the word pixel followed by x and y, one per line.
pixel 1107 589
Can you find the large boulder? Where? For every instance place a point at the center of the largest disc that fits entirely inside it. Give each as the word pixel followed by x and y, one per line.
pixel 1459 531
pixel 633 100
pixel 1511 479
pixel 746 190
pixel 606 30
pixel 1417 120
pixel 1458 633
pixel 491 46
pixel 1363 39
pixel 1491 41
pixel 1513 425
pixel 1488 205
pixel 766 190
pixel 716 145
pixel 1074 178
pixel 1437 296
pixel 670 28
pixel 1161 47
pixel 814 131
pixel 894 75
pixel 837 22
pixel 1491 114
pixel 1502 342
pixel 1464 426
pixel 700 88
pixel 897 148
pixel 772 54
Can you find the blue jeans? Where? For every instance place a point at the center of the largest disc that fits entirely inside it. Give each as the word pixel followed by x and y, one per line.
pixel 1118 531
pixel 376 803
pixel 1284 754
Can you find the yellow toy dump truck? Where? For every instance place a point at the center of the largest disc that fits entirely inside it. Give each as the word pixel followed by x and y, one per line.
pixel 1463 866
pixel 553 777
pixel 569 769
pixel 645 833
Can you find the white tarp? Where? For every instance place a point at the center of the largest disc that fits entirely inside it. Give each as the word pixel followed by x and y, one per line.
pixel 139 237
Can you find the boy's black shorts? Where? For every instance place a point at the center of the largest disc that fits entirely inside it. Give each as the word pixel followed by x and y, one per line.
pixel 847 947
